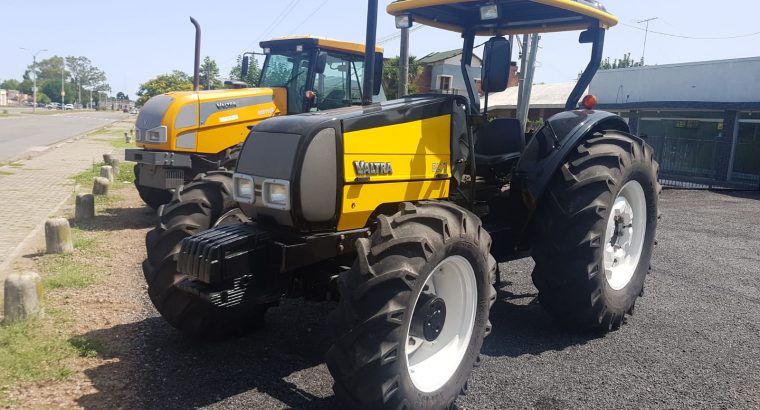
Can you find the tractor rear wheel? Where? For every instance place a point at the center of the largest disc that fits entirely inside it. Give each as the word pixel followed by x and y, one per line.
pixel 413 310
pixel 153 197
pixel 595 231
pixel 200 205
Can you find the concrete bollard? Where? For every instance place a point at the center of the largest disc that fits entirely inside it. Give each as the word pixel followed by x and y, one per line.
pixel 107 158
pixel 100 186
pixel 85 207
pixel 106 171
pixel 115 163
pixel 23 297
pixel 58 236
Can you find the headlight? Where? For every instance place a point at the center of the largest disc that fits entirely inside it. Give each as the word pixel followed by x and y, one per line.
pixel 276 194
pixel 243 188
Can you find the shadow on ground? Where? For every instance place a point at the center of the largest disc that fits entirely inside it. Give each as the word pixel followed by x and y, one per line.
pixel 168 371
pixel 117 219
pixel 521 326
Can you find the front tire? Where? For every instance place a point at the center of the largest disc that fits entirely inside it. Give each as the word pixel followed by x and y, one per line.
pixel 196 207
pixel 595 231
pixel 419 261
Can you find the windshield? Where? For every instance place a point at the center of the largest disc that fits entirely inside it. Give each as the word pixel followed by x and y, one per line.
pixel 287 69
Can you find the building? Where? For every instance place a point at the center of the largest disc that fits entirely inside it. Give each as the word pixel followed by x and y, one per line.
pixel 3 98
pixel 545 101
pixel 702 118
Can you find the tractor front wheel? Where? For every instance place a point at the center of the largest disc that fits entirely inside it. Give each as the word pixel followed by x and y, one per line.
pixel 595 230
pixel 414 310
pixel 198 206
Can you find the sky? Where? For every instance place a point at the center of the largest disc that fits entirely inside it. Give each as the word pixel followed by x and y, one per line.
pixel 135 40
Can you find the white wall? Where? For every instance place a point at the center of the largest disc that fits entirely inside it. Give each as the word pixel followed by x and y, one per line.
pixel 710 81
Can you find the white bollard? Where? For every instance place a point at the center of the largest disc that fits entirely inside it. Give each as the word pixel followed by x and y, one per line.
pixel 58 236
pixel 23 297
pixel 100 186
pixel 106 171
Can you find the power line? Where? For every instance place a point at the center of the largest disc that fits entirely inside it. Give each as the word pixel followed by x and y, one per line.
pixel 309 16
pixel 277 20
pixel 394 36
pixel 692 37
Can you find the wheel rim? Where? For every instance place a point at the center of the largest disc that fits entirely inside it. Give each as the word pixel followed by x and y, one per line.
pixel 624 238
pixel 431 364
pixel 233 217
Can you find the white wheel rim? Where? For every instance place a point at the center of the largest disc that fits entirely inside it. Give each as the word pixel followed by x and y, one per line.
pixel 431 364
pixel 624 238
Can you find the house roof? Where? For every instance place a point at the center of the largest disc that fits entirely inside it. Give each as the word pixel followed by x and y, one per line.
pixel 440 56
pixel 541 96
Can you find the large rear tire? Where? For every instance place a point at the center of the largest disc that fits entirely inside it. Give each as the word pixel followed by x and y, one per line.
pixel 153 197
pixel 196 207
pixel 595 231
pixel 429 258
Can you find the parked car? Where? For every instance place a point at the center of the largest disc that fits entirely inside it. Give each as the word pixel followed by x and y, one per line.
pixel 134 111
pixel 68 107
pixel 54 106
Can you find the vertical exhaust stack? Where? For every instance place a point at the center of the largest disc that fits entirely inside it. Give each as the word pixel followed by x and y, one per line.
pixel 369 53
pixel 197 65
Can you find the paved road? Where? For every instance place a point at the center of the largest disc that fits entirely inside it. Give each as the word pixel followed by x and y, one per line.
pixel 694 342
pixel 27 132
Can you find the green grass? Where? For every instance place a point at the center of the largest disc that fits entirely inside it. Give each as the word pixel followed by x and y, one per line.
pixel 31 352
pixel 16 164
pixel 5 173
pixel 65 272
pixel 85 178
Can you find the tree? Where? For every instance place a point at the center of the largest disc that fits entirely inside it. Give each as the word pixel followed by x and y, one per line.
pixel 210 74
pixel 121 96
pixel 391 76
pixel 83 73
pixel 625 62
pixel 252 79
pixel 10 84
pixel 164 83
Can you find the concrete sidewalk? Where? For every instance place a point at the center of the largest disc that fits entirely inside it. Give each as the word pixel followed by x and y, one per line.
pixel 34 189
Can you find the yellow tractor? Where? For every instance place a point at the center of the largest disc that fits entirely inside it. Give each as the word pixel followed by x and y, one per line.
pixel 184 134
pixel 402 211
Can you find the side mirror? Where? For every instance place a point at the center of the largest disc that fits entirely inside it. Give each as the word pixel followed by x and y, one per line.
pixel 586 37
pixel 497 56
pixel 321 62
pixel 244 67
pixel 378 77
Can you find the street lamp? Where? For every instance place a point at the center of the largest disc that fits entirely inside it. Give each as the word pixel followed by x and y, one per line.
pixel 34 78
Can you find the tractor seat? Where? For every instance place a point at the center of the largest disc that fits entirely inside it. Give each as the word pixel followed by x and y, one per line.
pixel 333 100
pixel 499 143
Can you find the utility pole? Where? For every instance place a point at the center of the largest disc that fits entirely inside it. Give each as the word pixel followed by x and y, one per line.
pixel 646 34
pixel 403 62
pixel 34 76
pixel 63 71
pixel 529 55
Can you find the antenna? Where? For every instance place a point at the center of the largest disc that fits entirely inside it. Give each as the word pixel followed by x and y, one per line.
pixel 646 34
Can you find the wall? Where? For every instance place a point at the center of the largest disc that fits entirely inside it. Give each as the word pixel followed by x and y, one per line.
pixel 730 81
pixel 456 72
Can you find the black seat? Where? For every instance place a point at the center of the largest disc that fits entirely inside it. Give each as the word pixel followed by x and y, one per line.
pixel 498 144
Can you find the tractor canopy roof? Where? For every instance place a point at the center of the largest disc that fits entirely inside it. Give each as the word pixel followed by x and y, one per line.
pixel 503 17
pixel 315 41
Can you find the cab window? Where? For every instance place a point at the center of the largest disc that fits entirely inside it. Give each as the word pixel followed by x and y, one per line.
pixel 340 84
pixel 288 69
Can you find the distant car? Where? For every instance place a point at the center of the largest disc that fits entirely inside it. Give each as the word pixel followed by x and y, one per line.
pixel 68 107
pixel 134 111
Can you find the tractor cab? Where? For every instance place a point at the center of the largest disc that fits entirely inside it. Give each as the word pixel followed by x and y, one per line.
pixel 499 142
pixel 314 73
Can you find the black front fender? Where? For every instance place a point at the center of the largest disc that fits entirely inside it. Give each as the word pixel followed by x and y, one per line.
pixel 546 153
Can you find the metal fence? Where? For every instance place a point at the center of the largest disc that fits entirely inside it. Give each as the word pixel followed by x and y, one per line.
pixel 705 164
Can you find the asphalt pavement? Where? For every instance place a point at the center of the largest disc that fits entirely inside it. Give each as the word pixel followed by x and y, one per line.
pixel 693 343
pixel 26 133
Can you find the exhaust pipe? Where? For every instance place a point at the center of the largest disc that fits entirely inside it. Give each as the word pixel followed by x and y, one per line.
pixel 197 66
pixel 369 53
